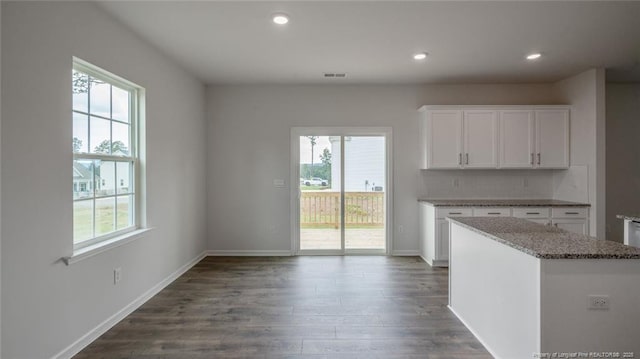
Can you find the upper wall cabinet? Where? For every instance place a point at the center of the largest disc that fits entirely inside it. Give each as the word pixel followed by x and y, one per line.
pixel 458 137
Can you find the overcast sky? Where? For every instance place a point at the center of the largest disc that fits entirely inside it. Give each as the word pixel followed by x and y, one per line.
pixel 305 149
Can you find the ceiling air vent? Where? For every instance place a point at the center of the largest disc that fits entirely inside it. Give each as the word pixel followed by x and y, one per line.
pixel 334 75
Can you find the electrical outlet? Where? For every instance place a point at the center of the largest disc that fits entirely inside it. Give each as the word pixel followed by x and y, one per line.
pixel 117 275
pixel 598 302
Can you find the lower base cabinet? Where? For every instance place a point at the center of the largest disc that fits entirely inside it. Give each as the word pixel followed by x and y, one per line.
pixel 434 227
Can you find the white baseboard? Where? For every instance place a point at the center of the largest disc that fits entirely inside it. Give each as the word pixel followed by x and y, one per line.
pixel 436 263
pixel 248 253
pixel 96 332
pixel 409 252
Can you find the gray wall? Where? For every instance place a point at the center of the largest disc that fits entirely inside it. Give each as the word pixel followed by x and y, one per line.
pixel 249 130
pixel 585 180
pixel 623 155
pixel 46 305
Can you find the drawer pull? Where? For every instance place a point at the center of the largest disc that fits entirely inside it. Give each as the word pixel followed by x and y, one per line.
pixel 571 212
pixel 533 212
pixel 455 212
pixel 493 213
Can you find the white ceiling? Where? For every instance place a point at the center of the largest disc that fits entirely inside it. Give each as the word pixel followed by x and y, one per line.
pixel 373 42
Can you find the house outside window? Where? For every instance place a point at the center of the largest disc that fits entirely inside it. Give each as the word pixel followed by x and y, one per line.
pixel 105 154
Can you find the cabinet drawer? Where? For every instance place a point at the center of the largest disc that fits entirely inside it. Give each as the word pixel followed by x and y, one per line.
pixel 453 212
pixel 491 212
pixel 531 212
pixel 569 212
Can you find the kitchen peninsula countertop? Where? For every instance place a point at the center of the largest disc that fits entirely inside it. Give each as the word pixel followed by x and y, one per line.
pixel 546 242
pixel 635 218
pixel 501 203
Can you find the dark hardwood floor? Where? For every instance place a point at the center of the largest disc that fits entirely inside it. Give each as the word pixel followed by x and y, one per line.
pixel 296 307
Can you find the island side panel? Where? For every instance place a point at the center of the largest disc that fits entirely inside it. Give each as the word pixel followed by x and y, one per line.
pixel 495 291
pixel 569 326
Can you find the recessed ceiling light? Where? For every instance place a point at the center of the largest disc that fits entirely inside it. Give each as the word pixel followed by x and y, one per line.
pixel 280 19
pixel 420 56
pixel 534 56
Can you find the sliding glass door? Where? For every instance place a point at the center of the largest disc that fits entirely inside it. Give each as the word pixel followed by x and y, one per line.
pixel 341 180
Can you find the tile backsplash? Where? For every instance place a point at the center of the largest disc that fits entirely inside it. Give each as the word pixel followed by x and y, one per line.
pixel 487 184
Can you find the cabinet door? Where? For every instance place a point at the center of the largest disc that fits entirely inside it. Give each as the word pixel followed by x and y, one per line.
pixel 442 243
pixel 552 138
pixel 516 139
pixel 572 225
pixel 444 139
pixel 480 139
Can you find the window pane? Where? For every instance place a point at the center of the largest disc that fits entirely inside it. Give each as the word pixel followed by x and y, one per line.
pixel 80 133
pixel 100 98
pixel 105 178
pixel 105 219
pixel 80 91
pixel 120 104
pixel 123 180
pixel 125 213
pixel 100 136
pixel 82 179
pixel 120 139
pixel 82 221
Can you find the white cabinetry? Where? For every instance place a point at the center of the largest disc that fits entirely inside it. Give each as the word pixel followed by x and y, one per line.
pixel 480 139
pixel 552 138
pixel 434 232
pixel 495 137
pixel 460 139
pixel 442 134
pixel 516 139
pixel 571 219
pixel 434 228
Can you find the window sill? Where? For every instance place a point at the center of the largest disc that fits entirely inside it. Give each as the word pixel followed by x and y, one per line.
pixel 98 248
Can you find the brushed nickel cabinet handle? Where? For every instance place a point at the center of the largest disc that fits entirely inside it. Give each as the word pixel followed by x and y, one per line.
pixel 460 158
pixel 455 212
pixel 533 212
pixel 538 158
pixel 467 162
pixel 493 212
pixel 571 212
pixel 532 158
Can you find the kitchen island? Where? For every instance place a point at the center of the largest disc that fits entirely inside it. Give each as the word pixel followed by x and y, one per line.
pixel 527 290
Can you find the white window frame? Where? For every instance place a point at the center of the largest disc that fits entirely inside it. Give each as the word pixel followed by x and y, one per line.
pixel 134 141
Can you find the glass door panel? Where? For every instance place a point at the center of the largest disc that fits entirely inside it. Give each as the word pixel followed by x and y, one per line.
pixel 364 192
pixel 320 193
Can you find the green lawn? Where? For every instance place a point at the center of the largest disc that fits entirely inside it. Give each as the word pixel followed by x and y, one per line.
pixel 83 219
pixel 312 188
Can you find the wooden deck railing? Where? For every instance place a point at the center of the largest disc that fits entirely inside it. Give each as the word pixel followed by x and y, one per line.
pixel 322 209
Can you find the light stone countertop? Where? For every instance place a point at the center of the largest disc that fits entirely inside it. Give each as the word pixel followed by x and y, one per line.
pixel 635 218
pixel 501 203
pixel 545 242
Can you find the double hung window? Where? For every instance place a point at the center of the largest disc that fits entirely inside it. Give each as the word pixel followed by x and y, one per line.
pixel 105 155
